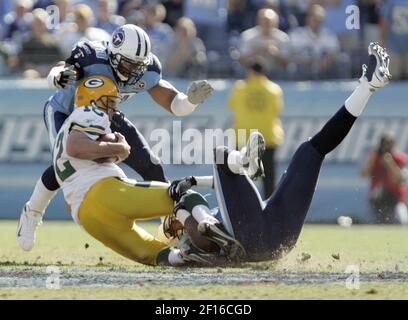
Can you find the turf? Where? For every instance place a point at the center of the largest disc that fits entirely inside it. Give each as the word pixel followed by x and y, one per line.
pixel 315 269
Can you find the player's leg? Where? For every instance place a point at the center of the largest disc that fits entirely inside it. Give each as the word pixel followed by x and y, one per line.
pixel 239 202
pixel 287 208
pixel 141 158
pixel 122 235
pixel 132 199
pixel 45 188
pixel 281 220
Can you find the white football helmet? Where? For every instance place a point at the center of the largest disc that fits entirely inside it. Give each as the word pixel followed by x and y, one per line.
pixel 129 51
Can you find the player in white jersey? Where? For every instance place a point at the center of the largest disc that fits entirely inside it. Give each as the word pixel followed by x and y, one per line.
pixel 128 61
pixel 100 197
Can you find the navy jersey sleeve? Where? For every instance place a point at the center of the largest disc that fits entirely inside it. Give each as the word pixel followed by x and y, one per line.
pixel 155 65
pixel 85 54
pixel 153 73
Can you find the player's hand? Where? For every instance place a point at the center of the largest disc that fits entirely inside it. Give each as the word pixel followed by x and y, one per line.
pixel 66 77
pixel 178 187
pixel 198 91
pixel 125 147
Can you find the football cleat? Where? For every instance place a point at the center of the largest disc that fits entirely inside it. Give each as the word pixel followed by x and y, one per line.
pixel 252 156
pixel 377 72
pixel 192 254
pixel 29 221
pixel 216 232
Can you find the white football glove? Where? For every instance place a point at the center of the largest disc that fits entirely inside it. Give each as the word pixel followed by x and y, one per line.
pixel 66 77
pixel 198 91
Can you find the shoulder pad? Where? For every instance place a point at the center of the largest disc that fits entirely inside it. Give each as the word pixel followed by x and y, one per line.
pixel 90 120
pixel 154 65
pixel 86 53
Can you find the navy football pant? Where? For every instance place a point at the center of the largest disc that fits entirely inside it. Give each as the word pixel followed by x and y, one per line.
pixel 141 158
pixel 268 228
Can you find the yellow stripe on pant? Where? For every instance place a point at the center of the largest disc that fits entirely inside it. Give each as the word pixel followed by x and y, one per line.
pixel 110 208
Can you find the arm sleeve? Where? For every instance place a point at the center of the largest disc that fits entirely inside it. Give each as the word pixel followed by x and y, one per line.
pixel 90 121
pixel 154 73
pixel 85 54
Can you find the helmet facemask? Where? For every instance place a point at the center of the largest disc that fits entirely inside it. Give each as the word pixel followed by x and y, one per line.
pixel 109 103
pixel 127 68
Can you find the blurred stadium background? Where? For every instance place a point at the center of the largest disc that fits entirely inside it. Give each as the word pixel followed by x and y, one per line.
pixel 316 76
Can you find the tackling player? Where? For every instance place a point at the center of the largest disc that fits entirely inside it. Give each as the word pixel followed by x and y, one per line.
pixel 128 61
pixel 100 196
pixel 267 229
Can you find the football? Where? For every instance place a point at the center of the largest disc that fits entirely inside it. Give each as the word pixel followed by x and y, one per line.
pixel 109 137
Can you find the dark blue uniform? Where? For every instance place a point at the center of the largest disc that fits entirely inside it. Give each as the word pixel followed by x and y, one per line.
pixel 268 228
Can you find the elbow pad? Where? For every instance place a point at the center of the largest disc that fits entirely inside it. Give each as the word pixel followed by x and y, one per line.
pixel 180 106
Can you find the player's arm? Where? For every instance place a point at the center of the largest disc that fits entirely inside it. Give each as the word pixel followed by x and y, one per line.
pixel 80 146
pixel 179 103
pixel 61 75
pixel 67 72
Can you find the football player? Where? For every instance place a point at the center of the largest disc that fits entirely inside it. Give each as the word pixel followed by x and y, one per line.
pixel 129 62
pixel 267 229
pixel 99 195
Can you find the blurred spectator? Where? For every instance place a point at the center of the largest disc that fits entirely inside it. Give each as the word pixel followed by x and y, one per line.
pixel 93 4
pixel 388 190
pixel 238 18
pixel 315 49
pixel 43 4
pixel 287 20
pixel 161 34
pixel 256 103
pixel 174 11
pixel 267 41
pixel 299 9
pixel 17 22
pixel 4 60
pixel 128 7
pixel 40 49
pixel 370 20
pixel 71 33
pixel 335 21
pixel 65 7
pixel 394 35
pixel 107 19
pixel 186 55
pixel 6 6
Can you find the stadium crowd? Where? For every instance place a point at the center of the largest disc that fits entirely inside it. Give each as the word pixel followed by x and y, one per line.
pixel 300 39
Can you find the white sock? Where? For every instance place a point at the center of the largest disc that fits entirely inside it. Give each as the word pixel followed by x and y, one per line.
pixel 41 197
pixel 357 101
pixel 401 213
pixel 234 161
pixel 175 258
pixel 201 213
pixel 182 215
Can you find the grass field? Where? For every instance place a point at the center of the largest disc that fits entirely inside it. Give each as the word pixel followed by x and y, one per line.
pixel 315 269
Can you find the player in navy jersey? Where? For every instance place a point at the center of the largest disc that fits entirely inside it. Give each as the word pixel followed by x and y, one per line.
pixel 127 59
pixel 267 229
